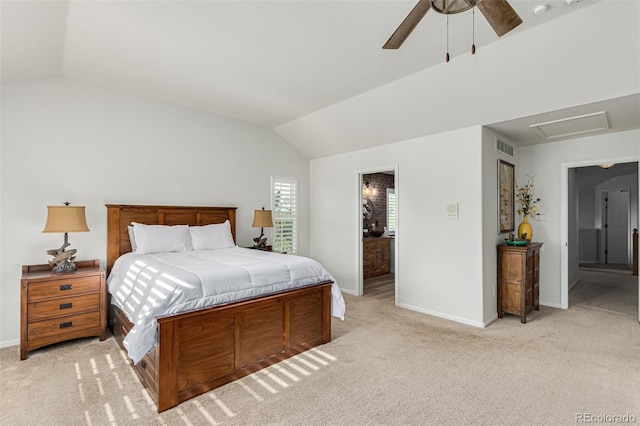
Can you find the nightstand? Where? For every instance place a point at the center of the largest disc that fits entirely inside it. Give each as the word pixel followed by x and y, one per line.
pixel 59 307
pixel 267 248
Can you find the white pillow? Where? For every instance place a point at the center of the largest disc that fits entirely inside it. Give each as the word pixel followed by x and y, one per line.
pixel 132 238
pixel 161 238
pixel 212 237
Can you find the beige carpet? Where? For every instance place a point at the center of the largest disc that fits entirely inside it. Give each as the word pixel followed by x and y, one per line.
pixel 385 366
pixel 607 289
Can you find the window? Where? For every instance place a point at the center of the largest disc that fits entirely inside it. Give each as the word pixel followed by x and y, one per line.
pixel 285 214
pixel 391 210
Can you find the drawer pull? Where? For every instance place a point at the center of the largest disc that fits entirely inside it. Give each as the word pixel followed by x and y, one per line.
pixel 143 364
pixel 66 287
pixel 66 324
pixel 66 305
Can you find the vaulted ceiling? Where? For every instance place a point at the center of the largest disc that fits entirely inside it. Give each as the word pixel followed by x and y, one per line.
pixel 267 62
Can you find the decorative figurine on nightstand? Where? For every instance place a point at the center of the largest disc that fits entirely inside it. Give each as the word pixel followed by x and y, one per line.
pixel 260 243
pixel 64 219
pixel 261 219
pixel 63 259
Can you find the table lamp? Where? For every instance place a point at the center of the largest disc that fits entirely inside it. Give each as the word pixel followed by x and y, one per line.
pixel 261 219
pixel 64 219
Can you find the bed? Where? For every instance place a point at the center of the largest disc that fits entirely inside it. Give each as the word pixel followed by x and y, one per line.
pixel 200 349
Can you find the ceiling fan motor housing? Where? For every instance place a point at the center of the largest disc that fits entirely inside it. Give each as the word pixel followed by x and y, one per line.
pixel 449 7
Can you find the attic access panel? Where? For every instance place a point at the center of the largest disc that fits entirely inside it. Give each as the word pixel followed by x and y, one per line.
pixel 587 123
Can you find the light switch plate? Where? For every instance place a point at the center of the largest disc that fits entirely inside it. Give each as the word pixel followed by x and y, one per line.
pixel 452 211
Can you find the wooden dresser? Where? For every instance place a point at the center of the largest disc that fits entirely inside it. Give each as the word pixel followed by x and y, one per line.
pixel 375 256
pixel 518 279
pixel 59 307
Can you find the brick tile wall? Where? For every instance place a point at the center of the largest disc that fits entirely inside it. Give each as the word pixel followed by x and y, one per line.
pixel 378 182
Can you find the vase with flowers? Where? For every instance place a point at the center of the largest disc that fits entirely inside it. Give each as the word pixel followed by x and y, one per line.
pixel 527 201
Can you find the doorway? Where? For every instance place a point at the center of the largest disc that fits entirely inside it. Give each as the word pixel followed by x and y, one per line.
pixel 601 209
pixel 378 220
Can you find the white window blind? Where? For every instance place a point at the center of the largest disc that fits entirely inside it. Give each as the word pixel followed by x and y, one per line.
pixel 391 210
pixel 285 214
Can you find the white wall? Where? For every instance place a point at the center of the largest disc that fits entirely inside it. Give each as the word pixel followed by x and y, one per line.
pixel 491 237
pixel 548 162
pixel 440 261
pixel 65 141
pixel 586 201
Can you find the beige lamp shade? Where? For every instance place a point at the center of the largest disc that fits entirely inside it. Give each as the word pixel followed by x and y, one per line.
pixel 66 219
pixel 262 219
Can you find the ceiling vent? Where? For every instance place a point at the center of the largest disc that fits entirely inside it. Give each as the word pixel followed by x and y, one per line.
pixel 504 147
pixel 572 126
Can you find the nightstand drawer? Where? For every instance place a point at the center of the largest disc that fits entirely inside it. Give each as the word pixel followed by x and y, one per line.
pixel 63 325
pixel 62 287
pixel 67 306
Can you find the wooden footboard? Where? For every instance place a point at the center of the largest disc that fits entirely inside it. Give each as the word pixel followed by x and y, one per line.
pixel 200 350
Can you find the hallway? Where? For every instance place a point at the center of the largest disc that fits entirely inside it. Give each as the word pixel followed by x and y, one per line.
pixel 608 289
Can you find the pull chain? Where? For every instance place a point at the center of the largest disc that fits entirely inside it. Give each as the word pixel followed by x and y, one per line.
pixel 473 31
pixel 447 57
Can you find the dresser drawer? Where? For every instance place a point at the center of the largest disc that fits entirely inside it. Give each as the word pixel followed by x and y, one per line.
pixel 62 287
pixel 63 325
pixel 68 306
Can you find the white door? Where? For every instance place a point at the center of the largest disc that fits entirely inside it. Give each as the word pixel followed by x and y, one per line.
pixel 617 227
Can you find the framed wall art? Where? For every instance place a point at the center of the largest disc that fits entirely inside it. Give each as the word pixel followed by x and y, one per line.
pixel 506 197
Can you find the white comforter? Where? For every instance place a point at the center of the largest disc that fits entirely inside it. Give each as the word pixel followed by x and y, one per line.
pixel 146 286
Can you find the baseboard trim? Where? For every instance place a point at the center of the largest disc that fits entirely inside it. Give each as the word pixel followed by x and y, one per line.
pixel 572 285
pixel 551 305
pixel 490 320
pixel 352 293
pixel 8 343
pixel 441 315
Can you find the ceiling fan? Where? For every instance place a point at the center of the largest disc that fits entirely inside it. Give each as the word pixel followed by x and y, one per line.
pixel 498 13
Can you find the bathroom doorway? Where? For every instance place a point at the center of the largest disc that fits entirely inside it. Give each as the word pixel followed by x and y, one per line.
pixel 378 239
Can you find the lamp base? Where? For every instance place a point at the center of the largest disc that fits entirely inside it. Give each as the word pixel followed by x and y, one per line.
pixel 63 259
pixel 259 242
pixel 65 266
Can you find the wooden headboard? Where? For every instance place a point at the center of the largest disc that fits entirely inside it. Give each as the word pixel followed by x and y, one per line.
pixel 119 216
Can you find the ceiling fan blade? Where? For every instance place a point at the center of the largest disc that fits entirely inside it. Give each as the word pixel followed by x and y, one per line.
pixel 500 15
pixel 409 23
